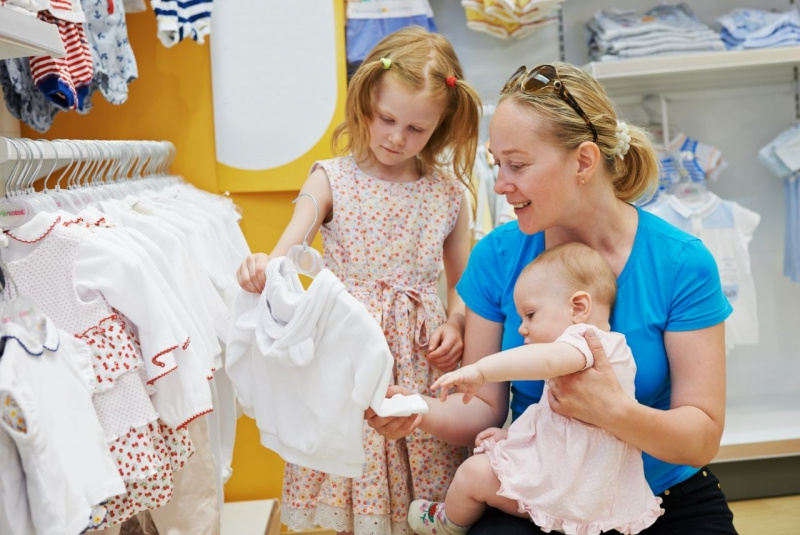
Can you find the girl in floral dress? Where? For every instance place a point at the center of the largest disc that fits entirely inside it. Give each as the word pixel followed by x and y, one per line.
pixel 392 211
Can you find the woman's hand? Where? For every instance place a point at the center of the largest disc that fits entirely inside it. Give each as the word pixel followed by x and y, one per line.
pixel 588 395
pixel 393 427
pixel 252 274
pixel 469 377
pixel 445 347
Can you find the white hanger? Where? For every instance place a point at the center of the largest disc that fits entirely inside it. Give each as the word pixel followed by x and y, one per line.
pixel 303 259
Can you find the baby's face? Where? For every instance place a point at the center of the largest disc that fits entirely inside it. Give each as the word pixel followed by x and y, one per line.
pixel 544 306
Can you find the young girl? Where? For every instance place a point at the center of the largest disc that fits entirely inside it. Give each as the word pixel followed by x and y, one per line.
pixel 391 211
pixel 563 474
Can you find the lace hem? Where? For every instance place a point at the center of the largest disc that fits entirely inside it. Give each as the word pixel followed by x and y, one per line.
pixel 341 519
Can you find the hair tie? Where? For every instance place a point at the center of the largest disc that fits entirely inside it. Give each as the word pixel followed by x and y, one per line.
pixel 623 136
pixel 386 62
pixel 451 81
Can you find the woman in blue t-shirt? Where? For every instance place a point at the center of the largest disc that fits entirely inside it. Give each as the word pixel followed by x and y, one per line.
pixel 571 169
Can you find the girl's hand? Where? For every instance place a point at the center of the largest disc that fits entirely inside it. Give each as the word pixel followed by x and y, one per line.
pixel 493 432
pixel 252 274
pixel 588 394
pixel 445 347
pixel 468 376
pixel 393 427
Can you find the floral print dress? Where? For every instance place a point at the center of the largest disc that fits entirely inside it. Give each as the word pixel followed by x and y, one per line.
pixel 384 243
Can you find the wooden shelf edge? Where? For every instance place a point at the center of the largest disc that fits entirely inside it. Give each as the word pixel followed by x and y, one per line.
pixel 758 450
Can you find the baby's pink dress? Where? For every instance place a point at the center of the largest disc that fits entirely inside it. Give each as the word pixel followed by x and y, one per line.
pixel 570 476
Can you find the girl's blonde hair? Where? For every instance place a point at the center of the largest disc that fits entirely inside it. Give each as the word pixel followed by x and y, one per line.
pixel 581 268
pixel 636 175
pixel 420 61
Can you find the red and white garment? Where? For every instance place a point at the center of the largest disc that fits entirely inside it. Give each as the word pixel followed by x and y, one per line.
pixel 65 81
pixel 83 279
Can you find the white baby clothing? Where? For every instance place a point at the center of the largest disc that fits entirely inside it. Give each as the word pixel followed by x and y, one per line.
pixel 48 375
pixel 726 228
pixel 306 365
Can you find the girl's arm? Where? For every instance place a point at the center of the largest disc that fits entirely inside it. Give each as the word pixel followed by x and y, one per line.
pixel 446 343
pixel 689 432
pixel 526 363
pixel 251 275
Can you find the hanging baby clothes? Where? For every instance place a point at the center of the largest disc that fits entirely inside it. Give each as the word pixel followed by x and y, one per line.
pixel 46 387
pixel 65 81
pixel 726 228
pixel 112 55
pixel 179 19
pixel 64 252
pixel 385 244
pixel 23 99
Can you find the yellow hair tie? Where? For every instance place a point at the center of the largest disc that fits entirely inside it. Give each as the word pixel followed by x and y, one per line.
pixel 386 62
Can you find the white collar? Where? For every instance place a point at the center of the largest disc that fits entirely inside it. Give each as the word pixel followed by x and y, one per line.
pixel 33 341
pixel 704 208
pixel 35 229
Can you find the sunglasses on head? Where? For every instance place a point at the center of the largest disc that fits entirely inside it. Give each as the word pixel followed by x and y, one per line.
pixel 535 80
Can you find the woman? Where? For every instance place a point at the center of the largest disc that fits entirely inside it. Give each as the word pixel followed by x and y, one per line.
pixel 571 170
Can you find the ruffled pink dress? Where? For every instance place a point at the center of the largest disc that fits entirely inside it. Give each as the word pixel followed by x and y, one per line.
pixel 570 476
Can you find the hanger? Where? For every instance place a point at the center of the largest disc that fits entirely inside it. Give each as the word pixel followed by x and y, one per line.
pixel 687 189
pixel 303 259
pixel 657 110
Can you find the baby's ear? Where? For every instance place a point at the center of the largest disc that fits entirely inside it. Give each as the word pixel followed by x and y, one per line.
pixel 581 303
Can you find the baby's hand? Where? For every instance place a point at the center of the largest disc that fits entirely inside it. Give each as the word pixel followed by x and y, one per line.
pixel 494 433
pixel 445 347
pixel 468 376
pixel 252 275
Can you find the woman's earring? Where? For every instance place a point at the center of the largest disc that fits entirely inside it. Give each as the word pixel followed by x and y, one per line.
pixel 583 181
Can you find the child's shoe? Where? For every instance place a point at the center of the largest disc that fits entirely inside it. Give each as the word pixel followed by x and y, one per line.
pixel 428 518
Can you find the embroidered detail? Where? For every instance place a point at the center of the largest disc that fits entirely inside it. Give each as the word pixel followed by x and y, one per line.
pixel 46 232
pixel 12 414
pixel 196 416
pixel 155 360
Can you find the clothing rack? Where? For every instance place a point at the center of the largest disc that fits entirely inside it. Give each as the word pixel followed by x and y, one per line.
pixel 85 162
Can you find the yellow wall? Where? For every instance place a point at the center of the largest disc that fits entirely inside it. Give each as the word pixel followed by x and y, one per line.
pixel 171 100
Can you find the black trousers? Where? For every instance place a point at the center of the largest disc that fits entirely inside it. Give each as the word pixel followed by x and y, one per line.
pixel 696 506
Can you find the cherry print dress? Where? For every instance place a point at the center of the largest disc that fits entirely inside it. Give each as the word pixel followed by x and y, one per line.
pixel 384 243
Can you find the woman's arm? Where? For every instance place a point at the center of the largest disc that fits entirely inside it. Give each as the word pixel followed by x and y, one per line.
pixel 447 342
pixel 689 432
pixel 251 274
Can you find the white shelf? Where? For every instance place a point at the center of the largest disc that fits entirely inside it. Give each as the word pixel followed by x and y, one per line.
pixel 25 35
pixel 761 426
pixel 698 71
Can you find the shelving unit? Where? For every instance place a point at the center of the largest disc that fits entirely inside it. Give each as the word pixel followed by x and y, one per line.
pixel 764 425
pixel 25 35
pixel 698 71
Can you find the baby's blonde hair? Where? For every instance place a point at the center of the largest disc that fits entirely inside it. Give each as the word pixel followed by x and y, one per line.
pixel 581 268
pixel 420 61
pixel 636 175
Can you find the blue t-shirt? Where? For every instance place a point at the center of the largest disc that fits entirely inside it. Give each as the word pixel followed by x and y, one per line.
pixel 670 283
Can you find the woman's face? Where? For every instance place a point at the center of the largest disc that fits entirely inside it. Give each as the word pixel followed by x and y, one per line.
pixel 537 177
